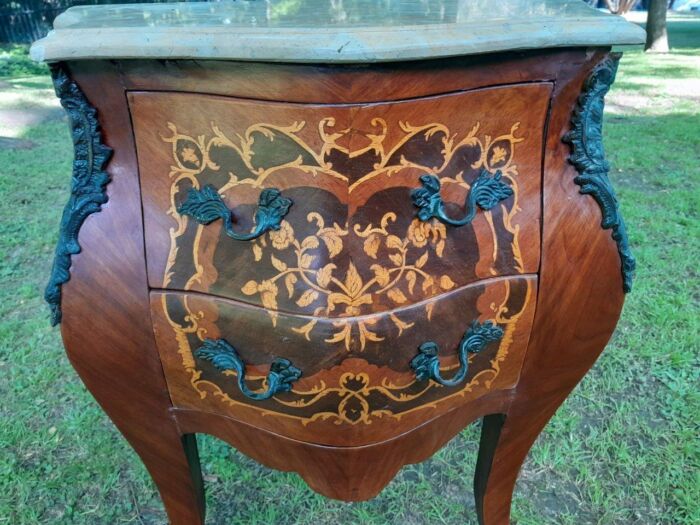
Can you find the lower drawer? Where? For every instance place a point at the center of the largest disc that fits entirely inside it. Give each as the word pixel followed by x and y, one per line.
pixel 343 381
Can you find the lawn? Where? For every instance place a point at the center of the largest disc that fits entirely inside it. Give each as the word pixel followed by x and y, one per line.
pixel 623 449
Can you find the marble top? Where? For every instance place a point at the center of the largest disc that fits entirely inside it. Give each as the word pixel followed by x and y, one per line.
pixel 327 31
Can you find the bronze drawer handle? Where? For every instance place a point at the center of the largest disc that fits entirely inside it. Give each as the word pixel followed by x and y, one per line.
pixel 487 191
pixel 206 206
pixel 427 365
pixel 224 357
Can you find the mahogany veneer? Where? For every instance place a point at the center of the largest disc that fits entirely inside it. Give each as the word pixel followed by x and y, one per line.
pixel 352 281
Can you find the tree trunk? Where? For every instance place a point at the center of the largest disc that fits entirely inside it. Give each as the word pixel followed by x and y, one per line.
pixel 657 37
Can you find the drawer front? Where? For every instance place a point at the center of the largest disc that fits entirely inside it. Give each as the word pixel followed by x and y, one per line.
pixel 360 378
pixel 351 243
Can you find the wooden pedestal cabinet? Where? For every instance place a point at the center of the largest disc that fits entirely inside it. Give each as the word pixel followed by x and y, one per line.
pixel 336 267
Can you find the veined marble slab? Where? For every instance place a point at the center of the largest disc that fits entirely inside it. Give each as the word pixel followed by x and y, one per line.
pixel 323 31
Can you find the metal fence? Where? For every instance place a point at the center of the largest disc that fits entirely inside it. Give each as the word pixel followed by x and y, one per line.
pixel 19 27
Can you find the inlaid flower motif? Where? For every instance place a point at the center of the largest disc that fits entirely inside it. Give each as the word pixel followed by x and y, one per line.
pixel 420 233
pixel 268 293
pixel 268 297
pixel 283 237
pixel 353 293
pixel 499 154
pixel 188 155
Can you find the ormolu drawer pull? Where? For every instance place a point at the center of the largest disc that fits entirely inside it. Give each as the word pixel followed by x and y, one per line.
pixel 427 365
pixel 206 206
pixel 224 357
pixel 487 191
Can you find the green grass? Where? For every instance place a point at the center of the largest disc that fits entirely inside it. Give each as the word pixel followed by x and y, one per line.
pixel 623 449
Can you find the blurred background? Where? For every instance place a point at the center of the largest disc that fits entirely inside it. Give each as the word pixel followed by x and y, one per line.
pixel 623 449
pixel 24 21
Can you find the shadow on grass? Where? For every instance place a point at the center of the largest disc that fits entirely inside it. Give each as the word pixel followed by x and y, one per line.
pixel 661 71
pixel 31 82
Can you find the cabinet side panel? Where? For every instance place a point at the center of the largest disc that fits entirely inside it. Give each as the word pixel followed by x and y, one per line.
pixel 579 303
pixel 106 323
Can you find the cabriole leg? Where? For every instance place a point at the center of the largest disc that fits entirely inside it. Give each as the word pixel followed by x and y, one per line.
pixel 173 463
pixel 505 442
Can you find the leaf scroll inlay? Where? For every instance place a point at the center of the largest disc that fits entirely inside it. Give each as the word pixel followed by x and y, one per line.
pixel 398 262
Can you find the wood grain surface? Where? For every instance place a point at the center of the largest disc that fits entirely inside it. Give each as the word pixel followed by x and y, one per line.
pixel 106 327
pixel 349 171
pixel 107 305
pixel 345 397
pixel 579 303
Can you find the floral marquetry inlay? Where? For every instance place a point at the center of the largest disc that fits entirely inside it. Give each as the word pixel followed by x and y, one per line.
pixel 353 280
pixel 314 264
pixel 193 155
pixel 400 275
pixel 353 391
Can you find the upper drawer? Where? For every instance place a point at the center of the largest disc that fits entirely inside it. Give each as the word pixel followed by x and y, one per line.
pixel 351 242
